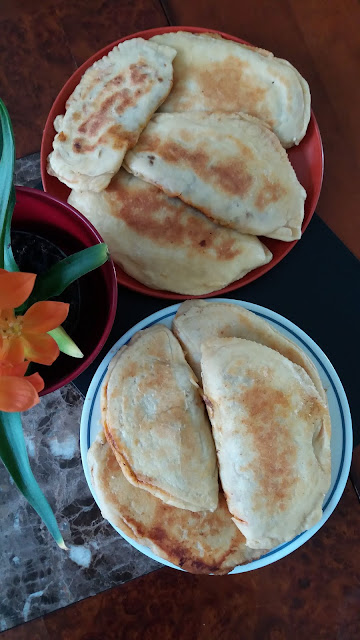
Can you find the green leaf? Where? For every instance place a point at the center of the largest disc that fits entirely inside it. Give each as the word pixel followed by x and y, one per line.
pixel 7 191
pixel 65 343
pixel 63 273
pixel 14 456
pixel 9 260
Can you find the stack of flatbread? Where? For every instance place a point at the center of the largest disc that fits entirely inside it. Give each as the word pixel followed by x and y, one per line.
pixel 222 393
pixel 201 123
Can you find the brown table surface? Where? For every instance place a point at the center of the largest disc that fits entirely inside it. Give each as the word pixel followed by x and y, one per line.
pixel 314 592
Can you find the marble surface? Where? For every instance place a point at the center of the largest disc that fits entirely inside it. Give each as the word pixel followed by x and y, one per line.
pixel 27 171
pixel 36 576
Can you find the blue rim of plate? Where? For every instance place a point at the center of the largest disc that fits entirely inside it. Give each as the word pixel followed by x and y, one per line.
pixel 310 345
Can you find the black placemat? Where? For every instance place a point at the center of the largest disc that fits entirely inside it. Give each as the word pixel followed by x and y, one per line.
pixel 316 286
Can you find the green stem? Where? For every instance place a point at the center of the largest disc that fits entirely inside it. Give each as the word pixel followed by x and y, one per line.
pixel 9 260
pixel 7 191
pixel 14 456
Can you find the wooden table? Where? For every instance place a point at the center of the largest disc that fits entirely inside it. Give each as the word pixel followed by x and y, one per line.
pixel 315 592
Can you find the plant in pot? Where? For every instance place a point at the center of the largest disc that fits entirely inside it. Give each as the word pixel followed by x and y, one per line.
pixel 31 335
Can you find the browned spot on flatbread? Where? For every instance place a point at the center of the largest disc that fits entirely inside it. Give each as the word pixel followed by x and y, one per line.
pixel 174 152
pixel 124 101
pixel 61 136
pixel 270 191
pixel 119 79
pixel 130 370
pixel 200 542
pixel 153 216
pixel 180 548
pixel 231 176
pixel 77 146
pixel 105 111
pixel 266 412
pixel 138 73
pixel 149 142
pixel 226 249
pixel 158 534
pixel 234 177
pixel 117 136
pixel 244 150
pixel 228 86
pixel 93 125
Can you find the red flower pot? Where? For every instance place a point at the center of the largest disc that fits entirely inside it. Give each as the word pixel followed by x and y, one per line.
pixel 94 295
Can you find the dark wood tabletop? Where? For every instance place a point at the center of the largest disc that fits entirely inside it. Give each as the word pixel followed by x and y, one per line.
pixel 314 592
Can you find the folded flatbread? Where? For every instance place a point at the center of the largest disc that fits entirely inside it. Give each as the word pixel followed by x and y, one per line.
pixel 269 425
pixel 229 166
pixel 156 423
pixel 202 542
pixel 107 111
pixel 214 74
pixel 197 321
pixel 163 242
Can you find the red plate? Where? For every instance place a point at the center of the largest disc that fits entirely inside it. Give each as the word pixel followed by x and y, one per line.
pixel 307 160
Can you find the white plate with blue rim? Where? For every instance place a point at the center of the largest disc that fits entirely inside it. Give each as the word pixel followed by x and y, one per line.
pixel 341 437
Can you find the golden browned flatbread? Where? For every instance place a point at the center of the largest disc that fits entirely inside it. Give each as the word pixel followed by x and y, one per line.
pixel 202 542
pixel 216 74
pixel 156 423
pixel 270 429
pixel 229 166
pixel 163 242
pixel 197 321
pixel 107 111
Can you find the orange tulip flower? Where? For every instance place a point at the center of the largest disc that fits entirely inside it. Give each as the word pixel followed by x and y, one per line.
pixel 26 337
pixel 16 392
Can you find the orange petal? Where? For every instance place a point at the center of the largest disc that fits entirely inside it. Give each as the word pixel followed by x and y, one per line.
pixel 17 394
pixel 13 350
pixel 15 288
pixel 8 369
pixel 36 381
pixel 40 348
pixel 44 316
pixel 19 369
pixel 7 315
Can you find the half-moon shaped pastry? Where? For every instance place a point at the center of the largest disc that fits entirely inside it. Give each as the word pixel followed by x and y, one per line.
pixel 155 420
pixel 107 111
pixel 202 542
pixel 270 429
pixel 215 74
pixel 229 166
pixel 163 242
pixel 197 321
